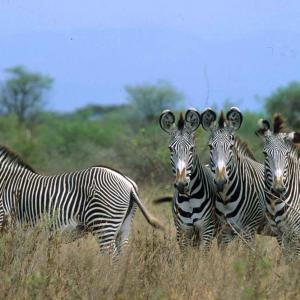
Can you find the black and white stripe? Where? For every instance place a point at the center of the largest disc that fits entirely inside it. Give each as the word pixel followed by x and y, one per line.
pixel 98 199
pixel 238 177
pixel 282 184
pixel 194 198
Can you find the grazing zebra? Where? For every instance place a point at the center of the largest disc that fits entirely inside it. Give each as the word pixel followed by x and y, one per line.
pixel 239 178
pixel 194 197
pixel 282 182
pixel 98 199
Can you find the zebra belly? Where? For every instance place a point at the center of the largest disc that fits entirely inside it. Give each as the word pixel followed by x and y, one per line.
pixel 273 225
pixel 69 225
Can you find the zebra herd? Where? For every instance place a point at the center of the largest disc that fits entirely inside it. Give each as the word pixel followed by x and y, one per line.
pixel 234 195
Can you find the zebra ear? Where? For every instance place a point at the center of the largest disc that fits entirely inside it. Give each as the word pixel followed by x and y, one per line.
pixel 192 119
pixel 263 127
pixel 234 118
pixel 294 137
pixel 208 118
pixel 167 121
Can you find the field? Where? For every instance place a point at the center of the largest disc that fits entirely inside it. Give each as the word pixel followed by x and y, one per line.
pixel 32 266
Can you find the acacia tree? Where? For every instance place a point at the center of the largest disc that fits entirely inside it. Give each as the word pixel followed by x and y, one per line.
pixel 286 100
pixel 150 100
pixel 22 93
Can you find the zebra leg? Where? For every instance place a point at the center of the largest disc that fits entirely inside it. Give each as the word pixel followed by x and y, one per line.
pixel 279 240
pixel 297 248
pixel 105 234
pixel 110 234
pixel 248 238
pixel 289 246
pixel 184 237
pixel 74 234
pixel 226 235
pixel 206 234
pixel 121 240
pixel 1 215
pixel 6 220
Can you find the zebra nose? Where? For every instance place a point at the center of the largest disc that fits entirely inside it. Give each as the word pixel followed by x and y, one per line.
pixel 279 188
pixel 278 185
pixel 220 183
pixel 181 187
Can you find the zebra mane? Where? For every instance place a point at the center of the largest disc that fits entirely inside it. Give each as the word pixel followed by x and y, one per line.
pixel 296 148
pixel 279 126
pixel 180 124
pixel 15 158
pixel 222 120
pixel 243 149
pixel 278 123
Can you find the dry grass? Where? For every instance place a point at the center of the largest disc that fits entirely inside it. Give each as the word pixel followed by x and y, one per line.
pixel 32 266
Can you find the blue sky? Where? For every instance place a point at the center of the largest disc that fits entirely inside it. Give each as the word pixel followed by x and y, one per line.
pixel 243 49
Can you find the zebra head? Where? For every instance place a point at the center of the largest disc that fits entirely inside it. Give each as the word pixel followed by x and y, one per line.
pixel 221 141
pixel 277 148
pixel 182 145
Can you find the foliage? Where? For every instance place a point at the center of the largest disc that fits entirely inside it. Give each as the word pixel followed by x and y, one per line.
pixel 286 100
pixel 148 100
pixel 59 143
pixel 22 93
pixel 94 111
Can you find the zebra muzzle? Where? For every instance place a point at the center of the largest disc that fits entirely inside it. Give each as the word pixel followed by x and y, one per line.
pixel 182 181
pixel 220 179
pixel 220 184
pixel 182 187
pixel 278 185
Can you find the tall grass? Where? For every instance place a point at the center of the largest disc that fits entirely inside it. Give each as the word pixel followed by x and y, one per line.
pixel 34 265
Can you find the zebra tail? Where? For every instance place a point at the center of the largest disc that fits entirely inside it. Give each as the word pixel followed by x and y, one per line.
pixel 148 216
pixel 163 200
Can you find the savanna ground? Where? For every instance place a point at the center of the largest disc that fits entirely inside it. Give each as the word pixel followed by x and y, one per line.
pixel 34 266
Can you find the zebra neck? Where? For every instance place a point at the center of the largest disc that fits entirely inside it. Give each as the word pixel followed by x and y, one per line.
pixel 10 170
pixel 199 174
pixel 200 188
pixel 293 178
pixel 234 176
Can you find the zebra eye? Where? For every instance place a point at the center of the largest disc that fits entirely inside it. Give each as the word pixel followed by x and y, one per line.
pixel 210 146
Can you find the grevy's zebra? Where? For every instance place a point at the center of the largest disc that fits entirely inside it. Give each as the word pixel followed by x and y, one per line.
pixel 282 182
pixel 97 199
pixel 195 194
pixel 239 178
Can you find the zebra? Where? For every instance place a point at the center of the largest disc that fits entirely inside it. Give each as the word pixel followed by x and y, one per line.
pixel 238 177
pixel 194 197
pixel 282 182
pixel 98 199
